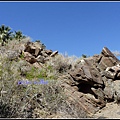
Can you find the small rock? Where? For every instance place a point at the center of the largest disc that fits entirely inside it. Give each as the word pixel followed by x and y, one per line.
pixel 54 53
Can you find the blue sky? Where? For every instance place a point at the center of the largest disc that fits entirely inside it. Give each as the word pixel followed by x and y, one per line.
pixel 73 27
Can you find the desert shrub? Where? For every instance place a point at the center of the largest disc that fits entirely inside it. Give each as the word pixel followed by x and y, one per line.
pixel 72 110
pixel 22 66
pixel 16 45
pixel 49 98
pixel 53 101
pixel 31 74
pixel 13 55
pixel 8 80
pixel 61 64
pixel 13 50
pixel 45 72
pixel 36 73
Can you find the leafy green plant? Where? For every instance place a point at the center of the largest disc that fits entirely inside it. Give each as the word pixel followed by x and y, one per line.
pixel 31 74
pixel 36 73
pixel 42 74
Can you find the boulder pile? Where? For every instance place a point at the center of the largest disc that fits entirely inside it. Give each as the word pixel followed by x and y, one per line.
pixel 35 53
pixel 94 82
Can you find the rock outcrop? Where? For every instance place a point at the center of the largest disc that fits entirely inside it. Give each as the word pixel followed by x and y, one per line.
pixel 34 52
pixel 91 84
pixel 94 82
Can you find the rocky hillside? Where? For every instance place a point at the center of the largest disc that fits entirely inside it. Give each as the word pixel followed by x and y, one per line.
pixel 40 83
pixel 94 82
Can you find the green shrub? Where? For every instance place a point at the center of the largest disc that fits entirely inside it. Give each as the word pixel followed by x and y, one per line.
pixel 31 74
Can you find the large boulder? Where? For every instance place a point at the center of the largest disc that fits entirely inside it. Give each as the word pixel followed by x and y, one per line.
pixel 87 72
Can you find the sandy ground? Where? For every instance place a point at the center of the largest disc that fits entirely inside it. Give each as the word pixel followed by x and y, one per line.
pixel 111 110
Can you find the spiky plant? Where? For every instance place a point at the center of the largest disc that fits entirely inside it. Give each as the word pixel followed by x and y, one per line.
pixel 18 35
pixel 5 34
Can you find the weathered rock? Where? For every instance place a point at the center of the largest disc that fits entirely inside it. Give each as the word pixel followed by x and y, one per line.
pixel 108 74
pixel 43 53
pixel 89 62
pixel 107 62
pixel 29 58
pixel 86 71
pixel 37 51
pixel 33 48
pixel 109 89
pixel 115 69
pixel 48 52
pixel 96 76
pixel 54 53
pixel 80 99
pixel 111 72
pixel 117 91
pixel 118 76
pixel 100 95
pixel 91 82
pixel 114 60
pixel 40 58
pixel 29 47
pixel 102 66
pixel 47 59
pixel 97 58
pixel 83 97
pixel 92 71
pixel 32 60
pixel 106 59
pixel 78 75
pixel 107 53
